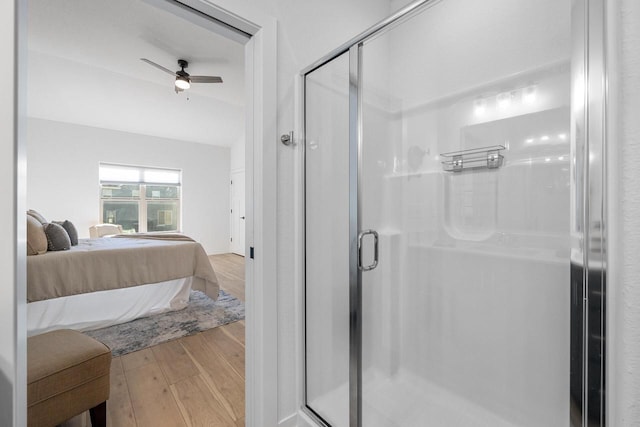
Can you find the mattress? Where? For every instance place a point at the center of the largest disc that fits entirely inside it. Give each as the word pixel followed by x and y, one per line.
pixel 100 309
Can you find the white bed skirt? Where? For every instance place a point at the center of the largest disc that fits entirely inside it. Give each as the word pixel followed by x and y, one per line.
pixel 106 308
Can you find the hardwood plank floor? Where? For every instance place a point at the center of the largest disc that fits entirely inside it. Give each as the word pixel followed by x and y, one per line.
pixel 192 381
pixel 152 401
pixel 198 405
pixel 230 272
pixel 121 411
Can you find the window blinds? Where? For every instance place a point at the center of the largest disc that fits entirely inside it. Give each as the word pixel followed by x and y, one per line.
pixel 122 174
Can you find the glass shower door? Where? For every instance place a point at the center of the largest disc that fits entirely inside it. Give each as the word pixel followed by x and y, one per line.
pixel 465 177
pixel 327 244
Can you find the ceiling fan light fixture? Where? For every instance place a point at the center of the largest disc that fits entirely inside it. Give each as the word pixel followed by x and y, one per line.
pixel 183 79
pixel 182 83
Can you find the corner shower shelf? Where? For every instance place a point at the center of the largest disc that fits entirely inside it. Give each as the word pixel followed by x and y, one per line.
pixel 484 157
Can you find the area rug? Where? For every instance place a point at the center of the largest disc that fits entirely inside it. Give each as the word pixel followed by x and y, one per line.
pixel 201 314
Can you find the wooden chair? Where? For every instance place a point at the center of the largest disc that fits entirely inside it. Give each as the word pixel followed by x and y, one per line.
pixel 100 230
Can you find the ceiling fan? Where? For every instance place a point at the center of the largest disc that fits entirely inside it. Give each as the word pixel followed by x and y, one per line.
pixel 184 79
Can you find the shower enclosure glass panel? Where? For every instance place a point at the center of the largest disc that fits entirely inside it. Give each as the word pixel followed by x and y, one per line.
pixel 327 244
pixel 465 320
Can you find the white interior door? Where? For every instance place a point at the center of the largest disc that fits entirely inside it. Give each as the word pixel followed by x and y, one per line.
pixel 237 212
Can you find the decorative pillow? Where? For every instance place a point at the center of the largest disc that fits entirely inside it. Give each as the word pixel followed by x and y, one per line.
pixel 57 237
pixel 37 216
pixel 36 237
pixel 70 229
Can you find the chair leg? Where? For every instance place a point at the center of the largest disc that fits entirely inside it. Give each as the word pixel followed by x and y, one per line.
pixel 99 415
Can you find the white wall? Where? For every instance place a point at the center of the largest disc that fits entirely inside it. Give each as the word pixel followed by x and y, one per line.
pixel 62 175
pixel 7 217
pixel 237 154
pixel 624 207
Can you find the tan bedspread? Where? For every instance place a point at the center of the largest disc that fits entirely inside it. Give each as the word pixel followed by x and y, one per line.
pixel 156 236
pixel 108 263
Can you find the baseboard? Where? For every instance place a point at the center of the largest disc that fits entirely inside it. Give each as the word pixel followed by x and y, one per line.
pixel 304 420
pixel 290 421
pixel 299 419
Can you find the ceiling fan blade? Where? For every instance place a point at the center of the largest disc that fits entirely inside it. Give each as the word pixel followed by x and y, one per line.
pixel 158 66
pixel 205 79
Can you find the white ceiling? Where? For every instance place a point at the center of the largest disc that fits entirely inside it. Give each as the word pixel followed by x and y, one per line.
pixel 84 67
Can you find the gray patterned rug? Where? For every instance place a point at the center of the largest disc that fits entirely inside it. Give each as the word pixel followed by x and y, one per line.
pixel 201 314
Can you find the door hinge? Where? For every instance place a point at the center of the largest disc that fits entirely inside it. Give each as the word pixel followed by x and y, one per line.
pixel 231 210
pixel 251 252
pixel 231 239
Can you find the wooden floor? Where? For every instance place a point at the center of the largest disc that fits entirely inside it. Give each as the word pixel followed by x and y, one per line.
pixel 192 381
pixel 230 272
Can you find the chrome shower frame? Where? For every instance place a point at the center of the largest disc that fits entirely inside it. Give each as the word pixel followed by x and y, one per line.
pixel 588 210
pixel 588 214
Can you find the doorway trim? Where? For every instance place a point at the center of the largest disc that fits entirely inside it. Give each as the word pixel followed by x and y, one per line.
pixel 236 222
pixel 261 384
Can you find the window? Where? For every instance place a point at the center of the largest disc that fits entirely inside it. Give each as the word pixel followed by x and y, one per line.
pixel 140 199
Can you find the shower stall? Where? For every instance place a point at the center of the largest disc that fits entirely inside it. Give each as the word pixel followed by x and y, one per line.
pixel 454 231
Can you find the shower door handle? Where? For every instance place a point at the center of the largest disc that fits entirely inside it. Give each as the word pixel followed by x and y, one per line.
pixel 375 250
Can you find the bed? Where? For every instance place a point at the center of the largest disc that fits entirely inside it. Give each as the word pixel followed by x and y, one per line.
pixel 106 281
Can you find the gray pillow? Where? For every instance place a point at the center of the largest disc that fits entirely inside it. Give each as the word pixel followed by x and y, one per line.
pixel 57 237
pixel 70 229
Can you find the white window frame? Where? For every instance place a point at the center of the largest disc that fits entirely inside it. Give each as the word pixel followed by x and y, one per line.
pixel 142 199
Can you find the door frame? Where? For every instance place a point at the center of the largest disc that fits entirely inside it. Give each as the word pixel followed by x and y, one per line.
pixel 261 182
pixel 234 245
